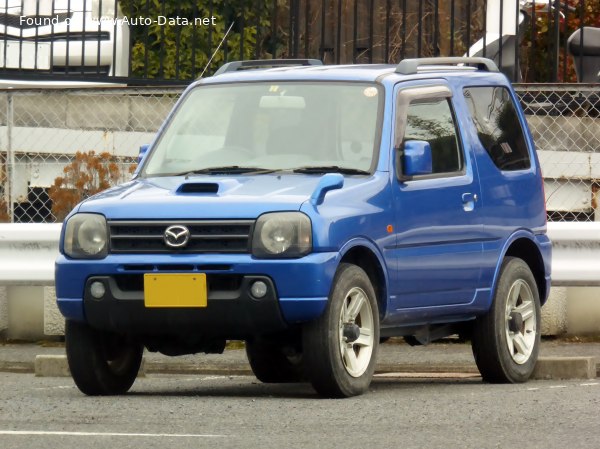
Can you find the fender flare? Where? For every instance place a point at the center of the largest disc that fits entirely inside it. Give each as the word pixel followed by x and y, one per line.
pixel 371 246
pixel 517 235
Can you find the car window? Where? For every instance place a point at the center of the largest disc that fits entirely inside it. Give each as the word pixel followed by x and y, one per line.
pixel 281 126
pixel 432 120
pixel 498 127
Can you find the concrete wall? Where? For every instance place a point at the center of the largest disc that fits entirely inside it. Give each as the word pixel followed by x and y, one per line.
pixel 30 313
pixel 583 308
pixel 25 312
pixel 140 110
pixel 42 128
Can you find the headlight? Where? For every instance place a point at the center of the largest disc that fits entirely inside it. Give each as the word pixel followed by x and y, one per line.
pixel 86 237
pixel 103 9
pixel 282 234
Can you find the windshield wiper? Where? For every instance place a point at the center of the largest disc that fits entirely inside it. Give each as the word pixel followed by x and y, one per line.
pixel 331 169
pixel 226 170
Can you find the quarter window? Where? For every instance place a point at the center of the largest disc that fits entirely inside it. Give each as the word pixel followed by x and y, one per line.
pixel 498 127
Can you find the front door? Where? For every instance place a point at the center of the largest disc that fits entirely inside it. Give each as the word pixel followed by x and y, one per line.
pixel 438 224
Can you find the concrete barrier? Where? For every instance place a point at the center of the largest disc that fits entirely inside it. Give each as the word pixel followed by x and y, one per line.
pixel 565 368
pixel 28 302
pixel 27 254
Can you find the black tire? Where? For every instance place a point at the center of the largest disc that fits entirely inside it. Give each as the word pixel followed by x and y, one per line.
pixel 101 363
pixel 270 364
pixel 337 369
pixel 506 340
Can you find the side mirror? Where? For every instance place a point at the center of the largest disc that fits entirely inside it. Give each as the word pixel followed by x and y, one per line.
pixel 142 153
pixel 416 158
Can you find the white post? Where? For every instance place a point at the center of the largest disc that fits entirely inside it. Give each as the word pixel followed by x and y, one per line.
pixel 501 17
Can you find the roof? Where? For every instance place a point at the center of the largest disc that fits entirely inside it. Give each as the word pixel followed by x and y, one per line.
pixel 357 72
pixel 313 70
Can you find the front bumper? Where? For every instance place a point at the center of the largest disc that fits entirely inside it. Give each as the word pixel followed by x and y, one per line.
pixel 297 292
pixel 231 314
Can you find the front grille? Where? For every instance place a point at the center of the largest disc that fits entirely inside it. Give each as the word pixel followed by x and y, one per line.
pixel 135 237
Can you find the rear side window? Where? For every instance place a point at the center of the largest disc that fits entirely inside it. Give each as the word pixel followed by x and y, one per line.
pixel 432 120
pixel 498 127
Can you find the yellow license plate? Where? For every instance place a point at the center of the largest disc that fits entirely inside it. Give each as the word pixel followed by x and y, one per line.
pixel 175 290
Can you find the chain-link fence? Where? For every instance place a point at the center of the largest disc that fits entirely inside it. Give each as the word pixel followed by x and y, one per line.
pixel 46 138
pixel 75 140
pixel 564 121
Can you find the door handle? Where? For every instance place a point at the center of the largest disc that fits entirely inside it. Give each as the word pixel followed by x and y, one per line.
pixel 469 200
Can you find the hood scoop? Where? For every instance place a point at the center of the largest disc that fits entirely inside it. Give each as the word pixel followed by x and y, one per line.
pixel 198 188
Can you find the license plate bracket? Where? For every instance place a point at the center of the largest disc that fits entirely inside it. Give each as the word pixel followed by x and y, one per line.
pixel 179 290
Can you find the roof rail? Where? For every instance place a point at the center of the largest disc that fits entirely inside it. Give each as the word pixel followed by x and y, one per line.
pixel 234 66
pixel 411 66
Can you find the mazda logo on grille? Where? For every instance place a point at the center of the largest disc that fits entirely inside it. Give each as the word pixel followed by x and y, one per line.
pixel 177 236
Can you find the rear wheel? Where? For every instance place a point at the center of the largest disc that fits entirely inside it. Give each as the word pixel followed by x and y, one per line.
pixel 506 339
pixel 272 363
pixel 101 363
pixel 340 348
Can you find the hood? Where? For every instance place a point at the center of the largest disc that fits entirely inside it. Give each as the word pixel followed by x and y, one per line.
pixel 210 197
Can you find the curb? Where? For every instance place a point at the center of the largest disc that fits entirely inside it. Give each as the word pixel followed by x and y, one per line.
pixel 565 368
pixel 17 367
pixel 547 368
pixel 51 366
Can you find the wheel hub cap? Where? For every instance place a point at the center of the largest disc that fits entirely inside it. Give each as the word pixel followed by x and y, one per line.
pixel 351 332
pixel 516 322
pixel 521 322
pixel 356 332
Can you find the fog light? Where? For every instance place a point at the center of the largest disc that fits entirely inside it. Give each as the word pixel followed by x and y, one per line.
pixel 97 290
pixel 258 289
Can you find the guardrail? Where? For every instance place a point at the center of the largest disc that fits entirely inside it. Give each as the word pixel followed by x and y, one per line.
pixel 575 253
pixel 28 252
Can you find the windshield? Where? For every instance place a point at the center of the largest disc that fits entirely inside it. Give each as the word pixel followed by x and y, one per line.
pixel 265 127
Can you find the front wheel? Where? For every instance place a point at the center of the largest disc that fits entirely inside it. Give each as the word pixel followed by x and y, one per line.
pixel 101 363
pixel 506 339
pixel 340 347
pixel 271 363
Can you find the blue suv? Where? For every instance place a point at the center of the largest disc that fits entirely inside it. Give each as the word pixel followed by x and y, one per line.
pixel 313 211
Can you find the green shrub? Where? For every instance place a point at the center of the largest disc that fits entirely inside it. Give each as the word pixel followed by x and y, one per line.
pixel 186 49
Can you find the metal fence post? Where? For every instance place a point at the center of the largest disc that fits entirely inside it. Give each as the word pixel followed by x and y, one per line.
pixel 4 180
pixel 10 157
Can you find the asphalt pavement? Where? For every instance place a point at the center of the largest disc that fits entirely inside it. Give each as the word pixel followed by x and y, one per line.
pixel 559 358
